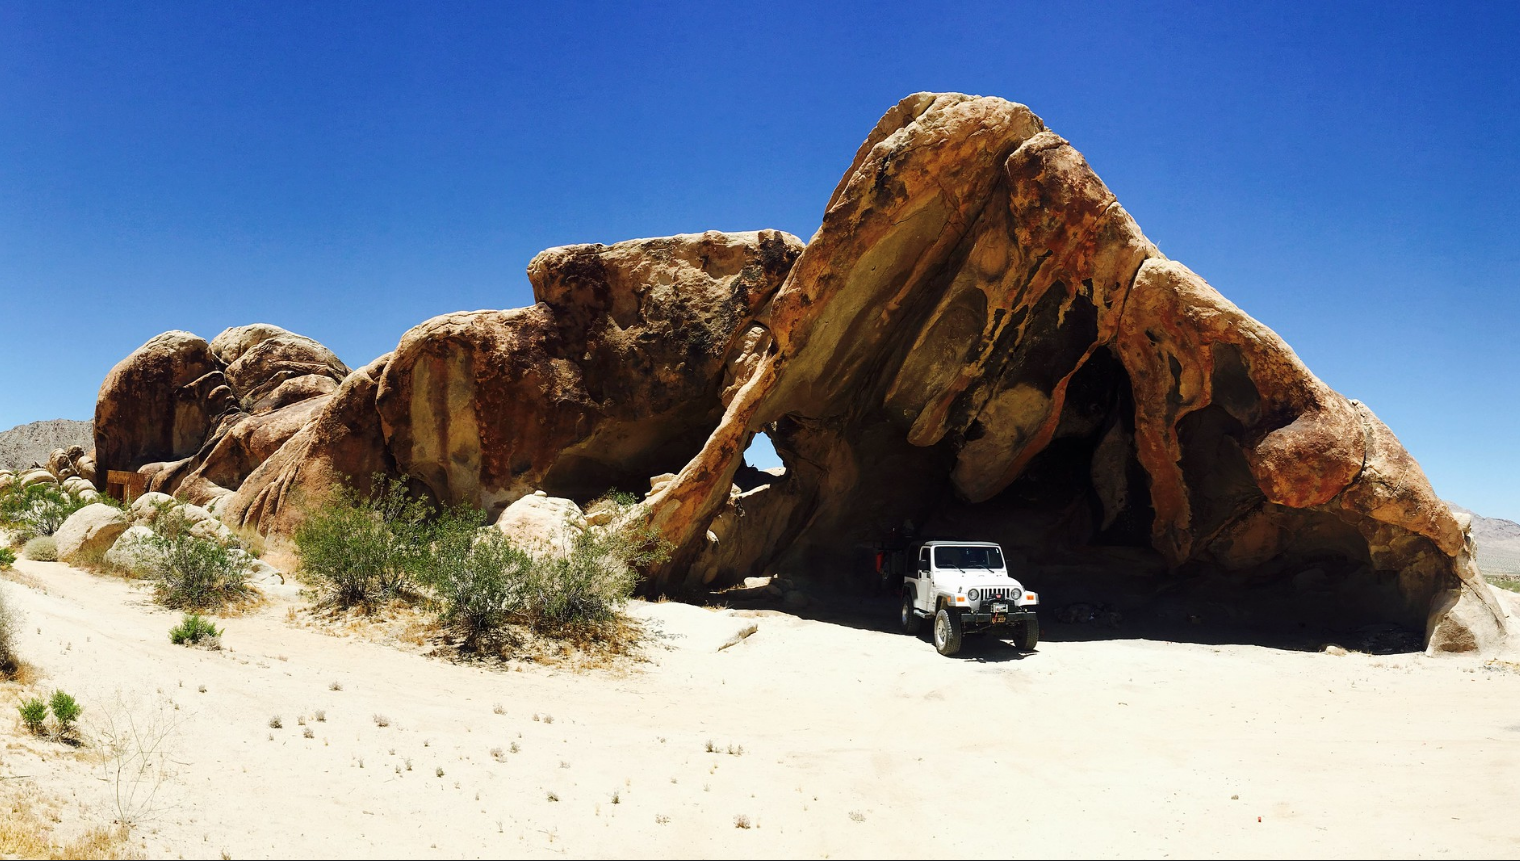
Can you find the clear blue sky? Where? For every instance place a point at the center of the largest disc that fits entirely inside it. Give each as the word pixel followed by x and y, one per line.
pixel 1347 173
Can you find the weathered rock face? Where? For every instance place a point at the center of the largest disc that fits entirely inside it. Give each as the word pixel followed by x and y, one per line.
pixel 616 373
pixel 979 341
pixel 343 444
pixel 159 403
pixel 979 334
pixel 198 418
pixel 90 532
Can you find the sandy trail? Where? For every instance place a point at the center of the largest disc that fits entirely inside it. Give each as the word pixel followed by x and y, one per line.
pixel 855 743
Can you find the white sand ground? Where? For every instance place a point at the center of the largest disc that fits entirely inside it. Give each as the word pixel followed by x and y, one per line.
pixel 855 744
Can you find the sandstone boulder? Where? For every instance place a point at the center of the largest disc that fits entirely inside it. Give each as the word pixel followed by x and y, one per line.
pixel 542 525
pixel 90 532
pixel 616 374
pixel 37 475
pixel 159 403
pixel 133 550
pixel 343 444
pixel 145 509
pixel 265 366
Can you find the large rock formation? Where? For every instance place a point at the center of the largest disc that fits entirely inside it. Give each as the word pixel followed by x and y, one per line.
pixel 979 340
pixel 198 418
pixel 979 336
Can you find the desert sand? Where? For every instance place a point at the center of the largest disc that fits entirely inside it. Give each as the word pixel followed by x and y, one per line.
pixel 828 739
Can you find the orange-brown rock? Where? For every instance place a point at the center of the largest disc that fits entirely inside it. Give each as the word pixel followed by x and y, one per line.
pixel 198 418
pixel 616 374
pixel 980 338
pixel 979 341
pixel 343 444
pixel 159 403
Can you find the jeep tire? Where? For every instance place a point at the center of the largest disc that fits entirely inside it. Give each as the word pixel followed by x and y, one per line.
pixel 911 623
pixel 947 632
pixel 1027 635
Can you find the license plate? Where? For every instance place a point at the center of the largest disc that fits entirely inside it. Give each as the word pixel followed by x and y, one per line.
pixel 999 608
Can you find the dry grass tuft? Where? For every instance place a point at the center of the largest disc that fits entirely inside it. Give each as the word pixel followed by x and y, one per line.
pixel 26 831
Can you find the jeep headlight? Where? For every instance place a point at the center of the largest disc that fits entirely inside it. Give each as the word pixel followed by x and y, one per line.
pixel 974 594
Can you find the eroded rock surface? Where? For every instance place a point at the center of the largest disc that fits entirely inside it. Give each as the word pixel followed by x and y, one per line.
pixel 978 341
pixel 980 334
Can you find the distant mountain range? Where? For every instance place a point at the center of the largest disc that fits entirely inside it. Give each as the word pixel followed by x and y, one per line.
pixel 24 445
pixel 1498 543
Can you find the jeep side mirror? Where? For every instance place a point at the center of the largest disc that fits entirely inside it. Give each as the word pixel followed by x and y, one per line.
pixel 923 565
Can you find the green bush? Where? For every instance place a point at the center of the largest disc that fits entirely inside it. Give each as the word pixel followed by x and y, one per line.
pixel 7 557
pixel 43 548
pixel 9 624
pixel 65 711
pixel 191 630
pixel 38 509
pixel 479 583
pixel 587 588
pixel 365 549
pixel 193 573
pixel 33 714
pixel 483 583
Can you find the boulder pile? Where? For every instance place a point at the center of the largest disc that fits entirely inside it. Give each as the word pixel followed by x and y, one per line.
pixel 978 339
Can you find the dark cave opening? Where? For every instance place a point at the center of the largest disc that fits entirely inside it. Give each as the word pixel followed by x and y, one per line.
pixel 1076 526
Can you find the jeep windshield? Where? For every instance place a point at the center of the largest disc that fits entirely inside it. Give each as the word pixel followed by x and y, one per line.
pixel 968 557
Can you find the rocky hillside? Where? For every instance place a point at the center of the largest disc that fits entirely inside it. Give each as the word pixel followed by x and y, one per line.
pixel 1498 543
pixel 23 445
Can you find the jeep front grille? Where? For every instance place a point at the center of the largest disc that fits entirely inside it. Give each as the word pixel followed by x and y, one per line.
pixel 1001 593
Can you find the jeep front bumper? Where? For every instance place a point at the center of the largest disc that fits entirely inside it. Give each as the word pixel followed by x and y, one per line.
pixel 983 617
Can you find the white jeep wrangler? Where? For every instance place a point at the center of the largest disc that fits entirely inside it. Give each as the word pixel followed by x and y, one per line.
pixel 965 588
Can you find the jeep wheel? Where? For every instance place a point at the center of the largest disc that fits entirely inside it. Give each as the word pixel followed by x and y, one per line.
pixel 1028 635
pixel 911 623
pixel 947 632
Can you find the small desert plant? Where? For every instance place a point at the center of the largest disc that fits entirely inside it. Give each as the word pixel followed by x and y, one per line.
pixel 34 714
pixel 320 715
pixel 191 630
pixel 7 557
pixel 43 548
pixel 10 663
pixel 66 711
pixel 382 721
pixel 193 572
pixel 38 509
pixel 134 741
pixel 742 821
pixel 366 549
pixel 276 723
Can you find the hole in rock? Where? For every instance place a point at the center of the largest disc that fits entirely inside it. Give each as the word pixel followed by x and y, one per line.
pixel 762 465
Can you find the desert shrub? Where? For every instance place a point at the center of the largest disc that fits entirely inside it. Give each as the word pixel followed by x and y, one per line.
pixel 482 582
pixel 7 557
pixel 193 573
pixel 33 714
pixel 191 630
pixel 38 509
pixel 588 588
pixel 479 582
pixel 66 711
pixel 43 548
pixel 10 623
pixel 365 549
